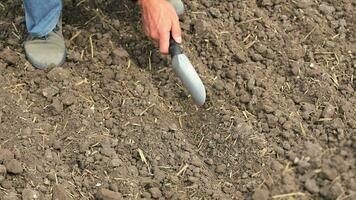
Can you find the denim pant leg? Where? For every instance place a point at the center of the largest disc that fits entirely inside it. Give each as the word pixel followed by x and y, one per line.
pixel 42 16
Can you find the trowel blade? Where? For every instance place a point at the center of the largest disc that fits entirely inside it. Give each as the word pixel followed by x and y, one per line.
pixel 189 77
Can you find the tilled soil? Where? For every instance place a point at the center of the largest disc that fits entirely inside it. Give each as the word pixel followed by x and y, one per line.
pixel 115 123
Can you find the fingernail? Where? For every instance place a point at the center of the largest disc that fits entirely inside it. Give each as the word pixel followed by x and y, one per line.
pixel 179 39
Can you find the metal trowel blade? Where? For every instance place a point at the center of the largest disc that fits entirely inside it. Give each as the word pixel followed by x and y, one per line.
pixel 190 78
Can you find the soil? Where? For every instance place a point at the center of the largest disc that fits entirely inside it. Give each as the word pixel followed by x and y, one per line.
pixel 114 121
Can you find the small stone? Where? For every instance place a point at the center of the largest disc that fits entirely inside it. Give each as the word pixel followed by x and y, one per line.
pixel 215 12
pixel 14 167
pixel 202 27
pixel 155 192
pixel 28 194
pixel 27 131
pixel 236 16
pixel 59 193
pixel 329 173
pixel 119 55
pixel 307 110
pixel 260 194
pixel 326 9
pixel 48 155
pixel 11 196
pixel 311 186
pixel 116 162
pixel 2 170
pixel 57 145
pixel 120 52
pixel 9 56
pixel 6 184
pixel 68 99
pixel 139 89
pixel 108 151
pixel 312 150
pixel 220 168
pixel 2 178
pixel 295 69
pixel 58 74
pixel 303 3
pixel 331 192
pixel 209 161
pixel 114 187
pixel 56 107
pixel 328 111
pixel 6 155
pixel 49 92
pixel 173 127
pixel 108 74
pixel 105 194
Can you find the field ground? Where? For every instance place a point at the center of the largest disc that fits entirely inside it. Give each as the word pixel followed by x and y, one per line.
pixel 279 122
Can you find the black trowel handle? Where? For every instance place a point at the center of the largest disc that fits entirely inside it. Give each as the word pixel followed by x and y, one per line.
pixel 174 48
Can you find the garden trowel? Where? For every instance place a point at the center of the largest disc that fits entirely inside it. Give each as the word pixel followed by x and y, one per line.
pixel 186 73
pixel 183 67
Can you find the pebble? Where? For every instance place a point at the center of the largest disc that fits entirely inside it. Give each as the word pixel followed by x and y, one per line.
pixel 6 184
pixel 48 155
pixel 11 196
pixel 105 194
pixel 326 9
pixel 5 155
pixel 27 131
pixel 220 168
pixel 303 3
pixel 108 74
pixel 331 192
pixel 56 107
pixel 50 91
pixel 260 194
pixel 116 162
pixel 9 56
pixel 328 111
pixel 108 151
pixel 202 27
pixel 28 194
pixel 14 167
pixel 215 12
pixel 155 192
pixel 58 74
pixel 329 173
pixel 307 110
pixel 3 170
pixel 312 150
pixel 68 99
pixel 311 186
pixel 59 193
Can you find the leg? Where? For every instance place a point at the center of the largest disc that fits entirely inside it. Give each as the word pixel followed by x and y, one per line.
pixel 42 16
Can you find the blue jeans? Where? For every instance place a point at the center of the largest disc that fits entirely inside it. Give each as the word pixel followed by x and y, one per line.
pixel 42 16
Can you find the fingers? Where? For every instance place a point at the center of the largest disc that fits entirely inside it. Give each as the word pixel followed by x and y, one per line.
pixel 159 25
pixel 176 31
pixel 164 42
pixel 165 35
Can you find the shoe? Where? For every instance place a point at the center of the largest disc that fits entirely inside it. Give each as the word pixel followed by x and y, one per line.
pixel 43 52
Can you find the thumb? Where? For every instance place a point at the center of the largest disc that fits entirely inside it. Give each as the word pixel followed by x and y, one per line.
pixel 176 31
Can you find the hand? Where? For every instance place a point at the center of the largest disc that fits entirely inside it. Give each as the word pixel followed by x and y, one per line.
pixel 159 21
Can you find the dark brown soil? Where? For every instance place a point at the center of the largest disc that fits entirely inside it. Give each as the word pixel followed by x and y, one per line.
pixel 115 122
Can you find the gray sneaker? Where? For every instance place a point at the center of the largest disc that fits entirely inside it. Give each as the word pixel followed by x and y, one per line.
pixel 42 52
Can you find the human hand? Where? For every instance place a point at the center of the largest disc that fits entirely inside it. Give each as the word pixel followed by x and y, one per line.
pixel 159 21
